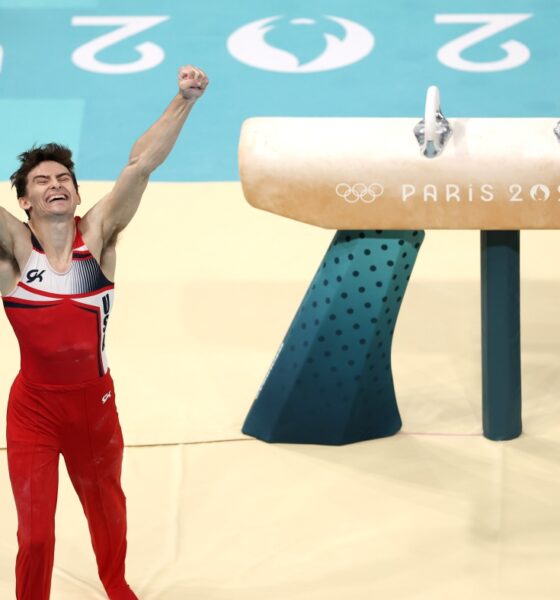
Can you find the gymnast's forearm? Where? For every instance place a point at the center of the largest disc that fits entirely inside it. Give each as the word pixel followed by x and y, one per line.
pixel 153 147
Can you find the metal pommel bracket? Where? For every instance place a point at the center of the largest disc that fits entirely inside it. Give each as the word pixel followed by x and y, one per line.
pixel 557 131
pixel 434 130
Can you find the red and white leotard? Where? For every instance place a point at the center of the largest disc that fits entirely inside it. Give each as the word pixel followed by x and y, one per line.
pixel 60 319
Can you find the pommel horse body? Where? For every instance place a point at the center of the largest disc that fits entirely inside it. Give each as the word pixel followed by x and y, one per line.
pixel 331 380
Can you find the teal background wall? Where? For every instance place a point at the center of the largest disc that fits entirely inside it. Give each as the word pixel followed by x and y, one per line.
pixel 45 95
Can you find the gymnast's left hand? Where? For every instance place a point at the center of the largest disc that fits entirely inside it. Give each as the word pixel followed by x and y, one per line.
pixel 192 82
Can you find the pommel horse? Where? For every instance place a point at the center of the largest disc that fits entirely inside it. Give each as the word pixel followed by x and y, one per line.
pixel 331 380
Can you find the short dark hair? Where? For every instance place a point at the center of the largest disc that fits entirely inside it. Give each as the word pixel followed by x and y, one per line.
pixel 35 156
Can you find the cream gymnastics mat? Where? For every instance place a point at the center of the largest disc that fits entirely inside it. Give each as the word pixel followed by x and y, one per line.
pixel 206 288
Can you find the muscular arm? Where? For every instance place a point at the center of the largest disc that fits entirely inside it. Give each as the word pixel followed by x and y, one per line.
pixel 13 235
pixel 6 236
pixel 15 246
pixel 154 146
pixel 113 212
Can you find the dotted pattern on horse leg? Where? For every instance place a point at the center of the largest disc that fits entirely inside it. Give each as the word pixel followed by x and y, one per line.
pixel 334 366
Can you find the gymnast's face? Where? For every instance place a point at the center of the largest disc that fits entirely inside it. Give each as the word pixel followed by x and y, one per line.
pixel 50 191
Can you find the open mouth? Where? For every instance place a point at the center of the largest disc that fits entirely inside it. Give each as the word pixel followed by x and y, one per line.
pixel 56 198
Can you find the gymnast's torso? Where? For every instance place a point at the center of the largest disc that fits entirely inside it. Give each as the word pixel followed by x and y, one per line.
pixel 60 319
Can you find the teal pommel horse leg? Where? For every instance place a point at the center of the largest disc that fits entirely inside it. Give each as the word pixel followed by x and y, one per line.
pixel 331 381
pixel 501 352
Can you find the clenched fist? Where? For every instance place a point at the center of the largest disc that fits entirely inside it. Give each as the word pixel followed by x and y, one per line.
pixel 192 82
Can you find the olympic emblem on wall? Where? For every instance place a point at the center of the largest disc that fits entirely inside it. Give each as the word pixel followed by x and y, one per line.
pixel 359 192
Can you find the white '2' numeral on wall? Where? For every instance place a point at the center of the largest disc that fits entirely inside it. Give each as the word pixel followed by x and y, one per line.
pixel 151 55
pixel 517 54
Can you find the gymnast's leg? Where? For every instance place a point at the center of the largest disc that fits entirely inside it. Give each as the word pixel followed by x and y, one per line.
pixel 33 466
pixel 93 452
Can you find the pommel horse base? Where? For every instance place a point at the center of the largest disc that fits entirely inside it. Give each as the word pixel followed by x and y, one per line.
pixel 331 380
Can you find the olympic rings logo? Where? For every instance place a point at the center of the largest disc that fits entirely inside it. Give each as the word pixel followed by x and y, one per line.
pixel 359 192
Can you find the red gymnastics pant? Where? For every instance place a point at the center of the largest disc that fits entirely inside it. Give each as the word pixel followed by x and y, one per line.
pixel 81 423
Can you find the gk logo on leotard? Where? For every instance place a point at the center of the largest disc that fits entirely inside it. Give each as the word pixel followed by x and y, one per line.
pixel 34 274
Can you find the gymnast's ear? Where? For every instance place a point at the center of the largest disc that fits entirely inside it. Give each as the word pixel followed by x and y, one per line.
pixel 24 202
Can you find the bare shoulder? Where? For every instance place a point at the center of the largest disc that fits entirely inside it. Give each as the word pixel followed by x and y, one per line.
pixel 10 227
pixel 91 229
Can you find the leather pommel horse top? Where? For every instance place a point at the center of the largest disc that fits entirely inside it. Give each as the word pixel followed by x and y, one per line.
pixel 369 173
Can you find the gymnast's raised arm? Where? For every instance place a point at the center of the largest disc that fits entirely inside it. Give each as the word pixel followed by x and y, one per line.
pixel 6 234
pixel 15 246
pixel 113 212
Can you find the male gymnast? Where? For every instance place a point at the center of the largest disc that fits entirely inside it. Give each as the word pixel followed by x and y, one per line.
pixel 56 280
